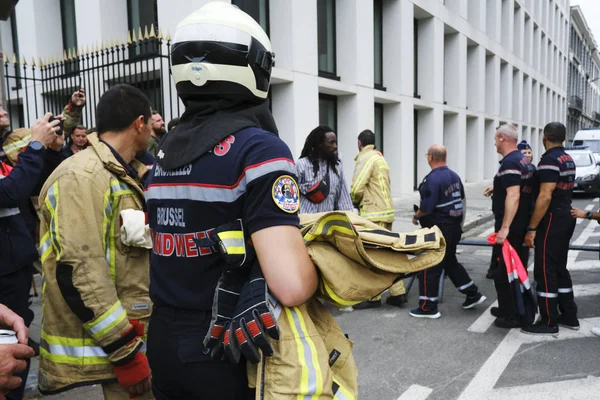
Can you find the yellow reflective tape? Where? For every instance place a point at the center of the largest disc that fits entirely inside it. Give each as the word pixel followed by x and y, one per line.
pixel 342 393
pixel 79 361
pixel 319 231
pixel 300 351
pixel 107 321
pixel 18 144
pixel 236 250
pixel 51 339
pixel 372 215
pixel 45 247
pixel 52 199
pixel 315 360
pixel 326 290
pixel 231 235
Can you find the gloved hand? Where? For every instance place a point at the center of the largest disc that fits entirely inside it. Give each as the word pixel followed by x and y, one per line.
pixel 253 320
pixel 133 371
pixel 225 300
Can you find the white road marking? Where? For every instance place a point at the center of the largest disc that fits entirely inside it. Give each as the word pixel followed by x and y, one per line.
pixel 482 385
pixel 488 232
pixel 586 388
pixel 484 321
pixel 590 289
pixel 586 233
pixel 596 199
pixel 583 265
pixel 416 392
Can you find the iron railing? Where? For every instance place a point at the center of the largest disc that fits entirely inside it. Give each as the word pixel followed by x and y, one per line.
pixel 33 89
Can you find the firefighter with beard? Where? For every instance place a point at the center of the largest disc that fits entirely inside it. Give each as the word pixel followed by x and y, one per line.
pixel 223 163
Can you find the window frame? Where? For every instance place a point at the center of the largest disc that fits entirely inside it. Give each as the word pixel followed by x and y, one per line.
pixel 378 85
pixel 141 50
pixel 381 108
pixel 322 73
pixel 241 5
pixel 334 99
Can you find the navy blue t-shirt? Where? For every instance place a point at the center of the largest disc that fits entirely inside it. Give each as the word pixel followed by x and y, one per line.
pixel 515 170
pixel 442 195
pixel 556 166
pixel 249 175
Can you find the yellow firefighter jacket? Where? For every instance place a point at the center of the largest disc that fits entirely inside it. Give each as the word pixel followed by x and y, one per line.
pixel 356 260
pixel 370 190
pixel 94 285
pixel 17 140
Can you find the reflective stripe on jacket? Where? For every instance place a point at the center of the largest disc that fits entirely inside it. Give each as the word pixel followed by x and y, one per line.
pixel 94 284
pixel 357 260
pixel 370 189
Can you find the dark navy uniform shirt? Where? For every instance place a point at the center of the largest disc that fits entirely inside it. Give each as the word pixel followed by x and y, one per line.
pixel 442 195
pixel 250 175
pixel 515 170
pixel 558 167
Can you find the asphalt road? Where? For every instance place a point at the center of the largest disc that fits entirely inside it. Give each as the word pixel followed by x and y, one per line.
pixel 462 355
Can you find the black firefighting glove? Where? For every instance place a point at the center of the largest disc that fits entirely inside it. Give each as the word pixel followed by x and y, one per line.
pixel 253 321
pixel 229 241
pixel 225 300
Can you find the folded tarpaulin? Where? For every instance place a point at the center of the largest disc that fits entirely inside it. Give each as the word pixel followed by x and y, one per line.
pixel 523 292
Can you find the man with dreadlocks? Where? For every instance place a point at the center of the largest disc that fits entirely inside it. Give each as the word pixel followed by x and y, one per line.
pixel 320 176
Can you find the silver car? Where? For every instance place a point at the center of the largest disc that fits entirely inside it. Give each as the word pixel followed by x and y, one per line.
pixel 587 175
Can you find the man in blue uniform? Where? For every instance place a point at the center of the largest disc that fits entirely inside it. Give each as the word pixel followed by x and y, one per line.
pixel 17 246
pixel 442 196
pixel 224 162
pixel 511 204
pixel 550 230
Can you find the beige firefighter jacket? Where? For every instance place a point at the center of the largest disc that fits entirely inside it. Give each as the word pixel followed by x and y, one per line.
pixel 370 190
pixel 17 140
pixel 94 284
pixel 356 260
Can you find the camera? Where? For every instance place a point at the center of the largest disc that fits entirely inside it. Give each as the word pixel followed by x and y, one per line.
pixel 60 125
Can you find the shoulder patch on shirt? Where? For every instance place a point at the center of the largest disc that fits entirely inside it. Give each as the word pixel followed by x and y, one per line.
pixel 285 194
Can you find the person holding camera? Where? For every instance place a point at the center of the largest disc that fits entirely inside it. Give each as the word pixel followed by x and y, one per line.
pixel 17 245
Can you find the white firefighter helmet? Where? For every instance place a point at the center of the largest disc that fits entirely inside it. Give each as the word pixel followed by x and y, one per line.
pixel 219 50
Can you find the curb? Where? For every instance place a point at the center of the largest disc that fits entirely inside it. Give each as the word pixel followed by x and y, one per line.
pixel 482 219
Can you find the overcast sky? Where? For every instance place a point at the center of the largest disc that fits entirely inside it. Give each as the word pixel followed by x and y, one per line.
pixel 591 12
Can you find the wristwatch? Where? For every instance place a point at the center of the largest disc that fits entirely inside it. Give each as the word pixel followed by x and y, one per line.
pixel 588 215
pixel 36 145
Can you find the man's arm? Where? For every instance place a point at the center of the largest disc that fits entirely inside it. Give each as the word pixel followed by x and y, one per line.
pixel 541 207
pixel 288 270
pixel 578 213
pixel 344 202
pixel 511 206
pixel 72 112
pixel 361 177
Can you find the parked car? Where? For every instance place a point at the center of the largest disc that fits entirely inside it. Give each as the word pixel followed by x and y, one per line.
pixel 587 166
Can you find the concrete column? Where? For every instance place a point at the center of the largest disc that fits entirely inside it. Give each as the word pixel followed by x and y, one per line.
pixel 294 35
pixel 493 19
pixel 455 140
pixel 527 102
pixel 37 37
pixel 489 151
pixel 431 59
pixel 398 66
pixel 296 110
pixel 475 78
pixel 399 144
pixel 430 125
pixel 519 32
pixel 506 87
pixel 355 113
pixel 475 149
pixel 492 85
pixel 354 29
pixel 517 93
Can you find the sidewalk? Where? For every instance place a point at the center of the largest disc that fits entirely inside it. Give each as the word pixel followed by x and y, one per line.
pixel 479 211
pixel 479 208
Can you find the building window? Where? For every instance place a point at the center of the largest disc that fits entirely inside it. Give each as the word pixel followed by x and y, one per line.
pixel 328 111
pixel 69 33
pixel 257 9
pixel 141 16
pixel 379 127
pixel 326 38
pixel 416 57
pixel 15 45
pixel 378 42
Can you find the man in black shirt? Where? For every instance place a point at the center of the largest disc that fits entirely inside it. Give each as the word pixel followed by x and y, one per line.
pixel 511 204
pixel 549 232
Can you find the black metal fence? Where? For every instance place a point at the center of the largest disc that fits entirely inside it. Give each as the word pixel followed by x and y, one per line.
pixel 33 89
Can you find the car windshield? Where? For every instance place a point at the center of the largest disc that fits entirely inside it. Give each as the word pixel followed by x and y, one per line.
pixel 594 145
pixel 582 159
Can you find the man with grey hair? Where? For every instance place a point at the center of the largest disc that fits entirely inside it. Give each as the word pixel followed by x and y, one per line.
pixel 511 205
pixel 442 196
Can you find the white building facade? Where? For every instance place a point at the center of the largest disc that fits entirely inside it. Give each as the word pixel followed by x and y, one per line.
pixel 584 76
pixel 416 72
